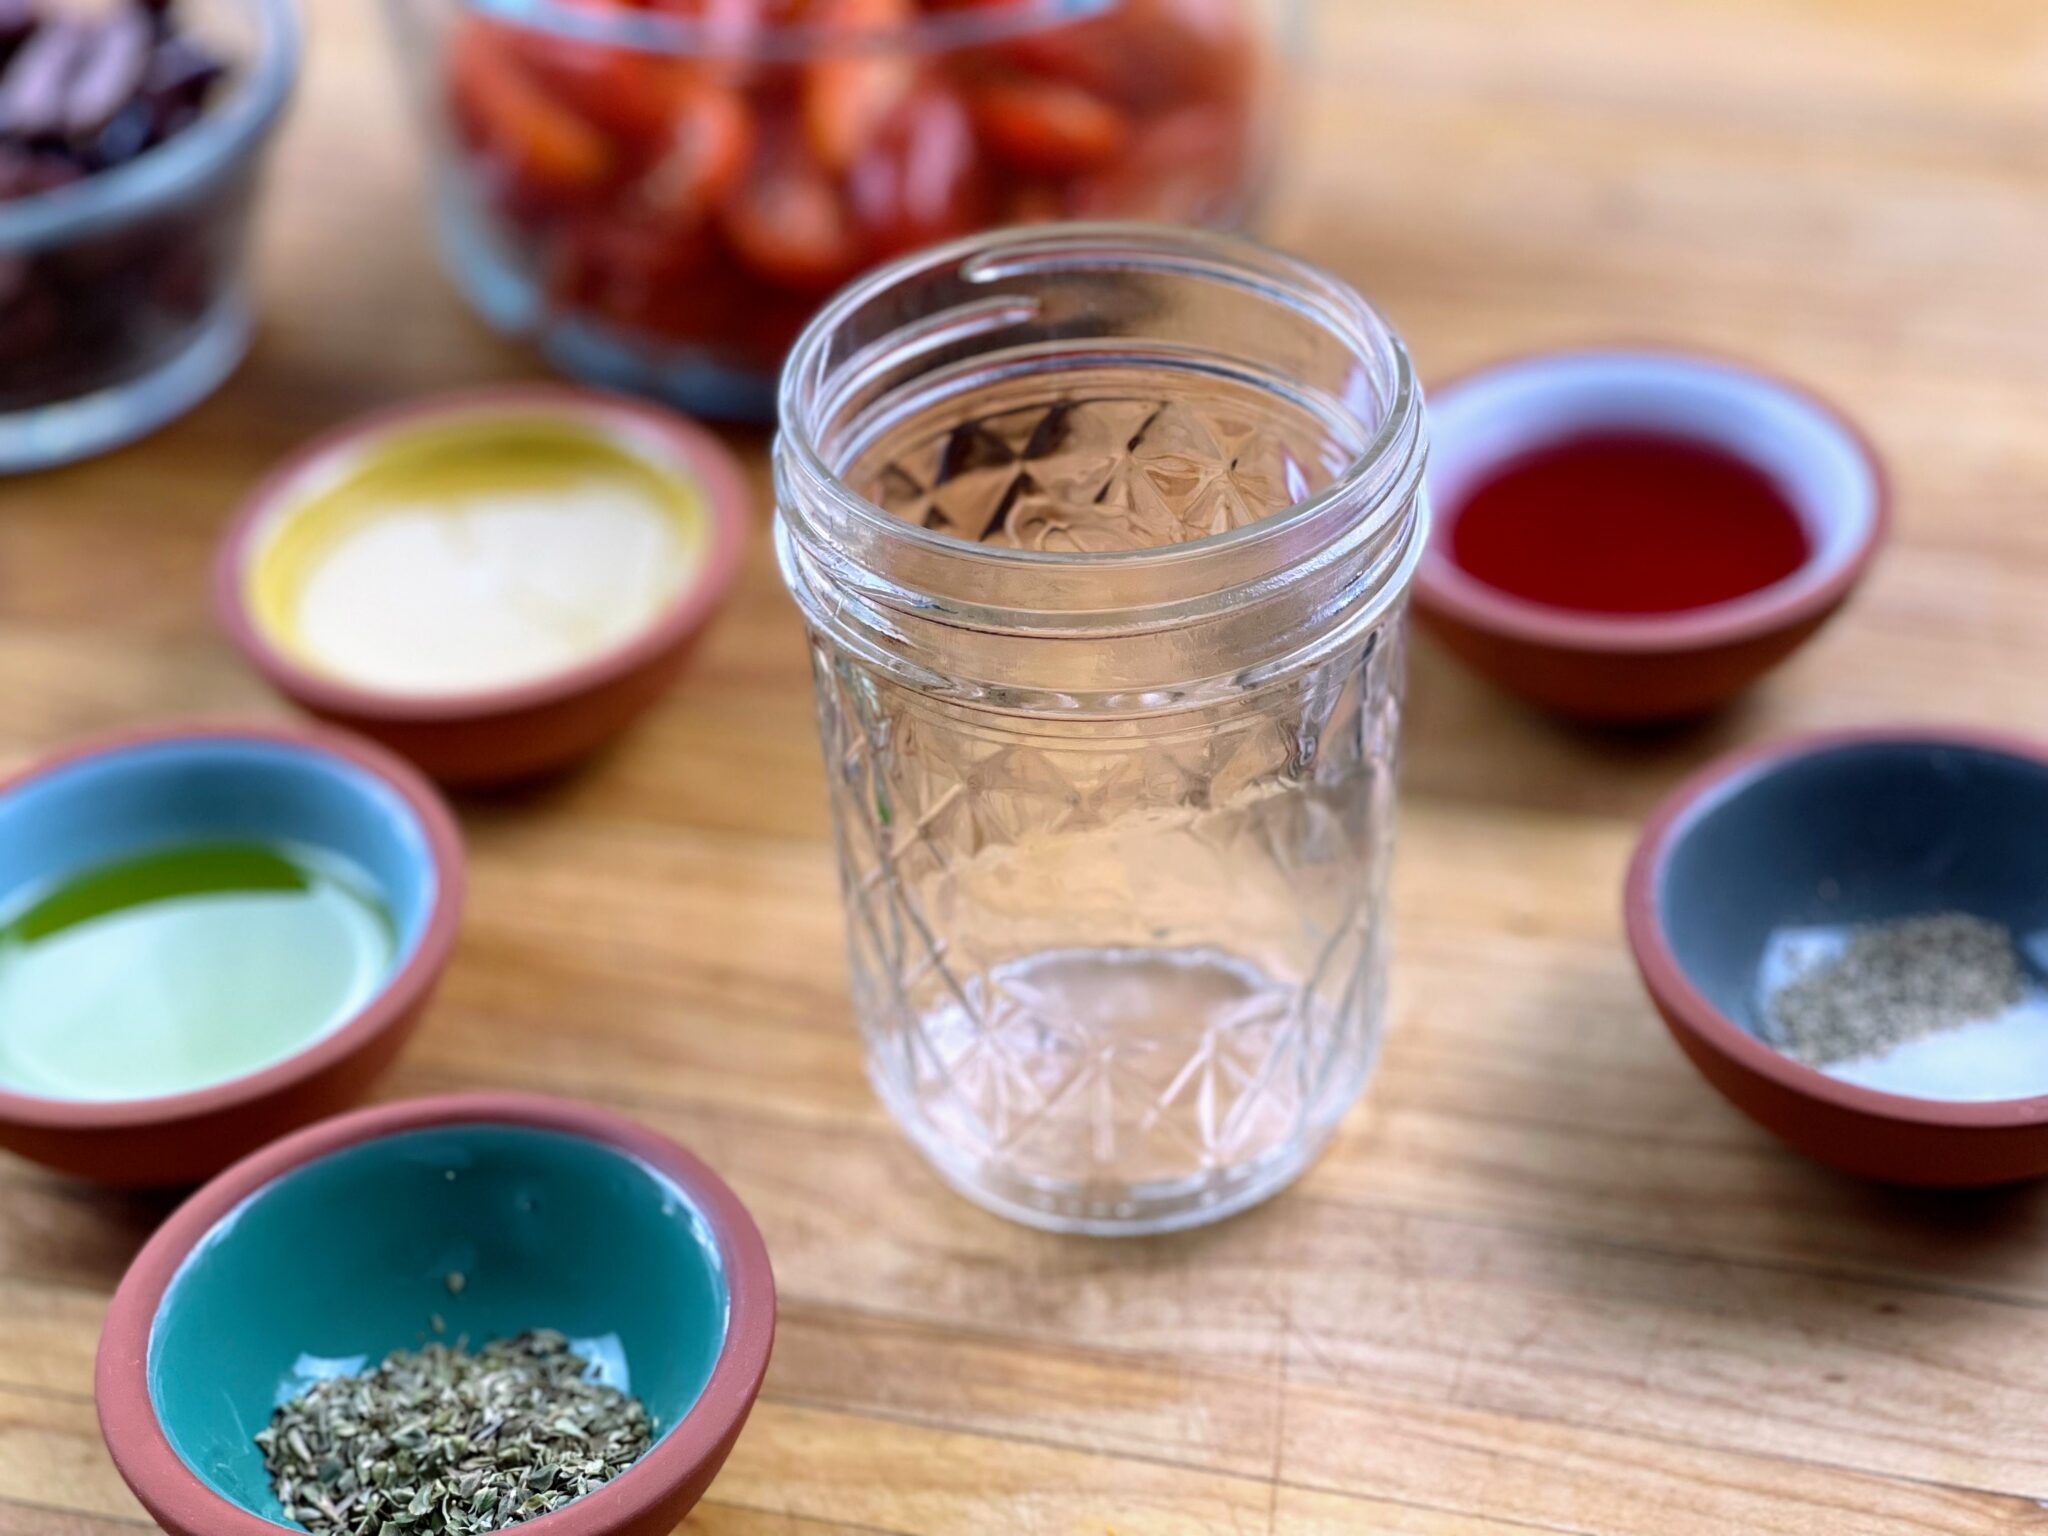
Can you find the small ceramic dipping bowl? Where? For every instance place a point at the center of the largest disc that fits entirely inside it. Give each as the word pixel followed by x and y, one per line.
pixel 475 1217
pixel 1622 667
pixel 492 584
pixel 1785 850
pixel 108 801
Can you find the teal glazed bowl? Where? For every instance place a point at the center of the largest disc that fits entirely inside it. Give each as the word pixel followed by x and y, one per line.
pixel 487 1215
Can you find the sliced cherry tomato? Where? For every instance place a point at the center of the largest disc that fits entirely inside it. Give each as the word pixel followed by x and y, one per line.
pixel 1076 51
pixel 623 269
pixel 506 114
pixel 625 95
pixel 1148 54
pixel 786 220
pixel 1048 127
pixel 1188 167
pixel 1215 26
pixel 1031 202
pixel 922 180
pixel 703 152
pixel 710 303
pixel 1202 51
pixel 855 84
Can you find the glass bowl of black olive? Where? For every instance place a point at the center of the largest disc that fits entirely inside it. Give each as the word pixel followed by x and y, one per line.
pixel 132 135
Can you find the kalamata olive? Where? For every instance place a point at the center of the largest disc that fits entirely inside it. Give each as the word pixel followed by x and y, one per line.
pixel 105 77
pixel 25 172
pixel 84 91
pixel 33 92
pixel 17 22
pixel 181 73
pixel 98 91
pixel 127 134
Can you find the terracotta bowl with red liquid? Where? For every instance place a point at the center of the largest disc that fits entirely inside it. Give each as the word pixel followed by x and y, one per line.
pixel 1633 536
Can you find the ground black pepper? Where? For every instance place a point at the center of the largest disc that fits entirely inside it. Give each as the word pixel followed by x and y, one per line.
pixel 1896 982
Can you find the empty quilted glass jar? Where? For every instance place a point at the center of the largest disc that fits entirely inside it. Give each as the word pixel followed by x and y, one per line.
pixel 1103 534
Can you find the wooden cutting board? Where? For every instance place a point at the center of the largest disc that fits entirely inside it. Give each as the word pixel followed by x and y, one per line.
pixel 1545 1281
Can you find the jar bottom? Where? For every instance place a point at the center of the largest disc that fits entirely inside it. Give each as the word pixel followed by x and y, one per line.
pixel 1126 1091
pixel 67 430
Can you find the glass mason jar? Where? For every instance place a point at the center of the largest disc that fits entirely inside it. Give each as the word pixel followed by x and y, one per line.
pixel 660 195
pixel 1103 534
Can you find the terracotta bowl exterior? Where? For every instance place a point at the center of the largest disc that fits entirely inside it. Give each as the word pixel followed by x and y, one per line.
pixel 1882 823
pixel 503 735
pixel 380 1168
pixel 1607 688
pixel 182 1138
pixel 1618 669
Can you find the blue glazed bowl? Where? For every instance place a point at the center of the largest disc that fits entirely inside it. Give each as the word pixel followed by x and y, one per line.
pixel 127 795
pixel 1803 839
pixel 474 1217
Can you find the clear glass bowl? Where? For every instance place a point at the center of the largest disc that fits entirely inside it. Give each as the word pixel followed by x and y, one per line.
pixel 661 197
pixel 124 297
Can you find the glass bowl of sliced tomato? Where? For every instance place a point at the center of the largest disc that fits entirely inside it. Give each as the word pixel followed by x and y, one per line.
pixel 660 192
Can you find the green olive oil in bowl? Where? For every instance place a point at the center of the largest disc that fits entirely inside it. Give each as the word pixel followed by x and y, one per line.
pixel 184 967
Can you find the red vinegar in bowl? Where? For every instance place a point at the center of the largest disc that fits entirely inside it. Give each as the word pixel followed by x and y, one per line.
pixel 1639 535
pixel 1628 521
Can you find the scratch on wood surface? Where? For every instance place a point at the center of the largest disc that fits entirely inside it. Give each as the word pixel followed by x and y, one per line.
pixel 1282 1351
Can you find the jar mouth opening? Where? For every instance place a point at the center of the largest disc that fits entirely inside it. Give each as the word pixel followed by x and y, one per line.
pixel 1389 460
pixel 787 42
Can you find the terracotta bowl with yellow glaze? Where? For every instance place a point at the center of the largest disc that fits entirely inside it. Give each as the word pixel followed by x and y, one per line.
pixel 319 580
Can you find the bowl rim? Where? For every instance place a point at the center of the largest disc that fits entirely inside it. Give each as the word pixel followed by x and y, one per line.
pixel 179 1498
pixel 383 1010
pixel 1444 591
pixel 688 450
pixel 786 42
pixel 189 159
pixel 1686 1008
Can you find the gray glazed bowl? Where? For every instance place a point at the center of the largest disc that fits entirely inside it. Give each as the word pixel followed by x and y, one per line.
pixel 1834 829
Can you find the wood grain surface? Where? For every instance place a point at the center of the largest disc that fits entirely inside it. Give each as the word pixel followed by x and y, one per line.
pixel 1545 1280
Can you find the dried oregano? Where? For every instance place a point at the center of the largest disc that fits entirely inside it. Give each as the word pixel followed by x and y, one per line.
pixel 442 1442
